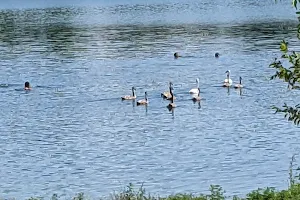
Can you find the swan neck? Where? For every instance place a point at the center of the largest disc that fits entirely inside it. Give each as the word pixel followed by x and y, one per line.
pixel 172 96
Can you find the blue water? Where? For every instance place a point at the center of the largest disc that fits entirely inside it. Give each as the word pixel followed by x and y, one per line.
pixel 72 133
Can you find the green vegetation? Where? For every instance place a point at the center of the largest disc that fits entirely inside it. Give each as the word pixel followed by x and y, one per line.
pixel 216 192
pixel 290 74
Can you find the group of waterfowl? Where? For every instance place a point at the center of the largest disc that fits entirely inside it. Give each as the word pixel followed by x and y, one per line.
pixel 169 95
pixel 228 81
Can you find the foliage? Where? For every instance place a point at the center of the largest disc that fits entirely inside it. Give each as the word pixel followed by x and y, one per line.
pixel 293 178
pixel 290 74
pixel 130 194
pixel 216 193
pixel 80 196
pixel 292 114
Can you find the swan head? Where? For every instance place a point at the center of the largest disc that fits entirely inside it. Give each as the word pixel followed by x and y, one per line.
pixel 228 71
pixel 176 55
pixel 217 55
pixel 197 80
pixel 133 88
pixel 146 95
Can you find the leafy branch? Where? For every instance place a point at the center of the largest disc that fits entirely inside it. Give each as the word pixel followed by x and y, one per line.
pixel 290 75
pixel 292 114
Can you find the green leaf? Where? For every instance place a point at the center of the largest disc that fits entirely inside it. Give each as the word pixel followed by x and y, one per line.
pixel 295 3
pixel 283 46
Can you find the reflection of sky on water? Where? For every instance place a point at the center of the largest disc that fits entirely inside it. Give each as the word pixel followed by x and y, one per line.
pixel 161 12
pixel 80 61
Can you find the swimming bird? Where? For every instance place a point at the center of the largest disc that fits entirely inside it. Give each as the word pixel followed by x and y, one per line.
pixel 176 55
pixel 172 104
pixel 195 90
pixel 167 94
pixel 128 97
pixel 197 98
pixel 27 86
pixel 217 55
pixel 227 81
pixel 239 85
pixel 143 101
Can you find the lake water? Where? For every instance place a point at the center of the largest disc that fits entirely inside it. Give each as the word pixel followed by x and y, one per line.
pixel 72 133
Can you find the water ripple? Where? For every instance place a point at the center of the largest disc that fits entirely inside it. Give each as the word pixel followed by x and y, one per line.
pixel 72 132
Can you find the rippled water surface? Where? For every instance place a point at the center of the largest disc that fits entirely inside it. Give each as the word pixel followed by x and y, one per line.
pixel 72 133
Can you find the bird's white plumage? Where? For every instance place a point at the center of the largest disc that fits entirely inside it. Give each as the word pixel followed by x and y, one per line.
pixel 227 81
pixel 195 90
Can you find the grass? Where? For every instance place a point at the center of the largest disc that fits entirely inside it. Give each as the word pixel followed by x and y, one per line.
pixel 216 192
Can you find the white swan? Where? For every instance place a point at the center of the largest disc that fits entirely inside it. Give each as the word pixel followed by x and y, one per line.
pixel 195 90
pixel 227 81
pixel 197 98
